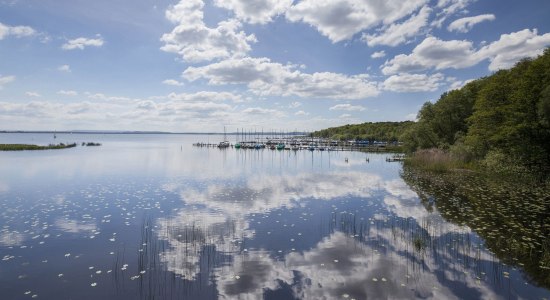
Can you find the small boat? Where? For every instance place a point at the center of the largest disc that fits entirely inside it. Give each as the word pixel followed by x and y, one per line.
pixel 223 144
pixel 280 146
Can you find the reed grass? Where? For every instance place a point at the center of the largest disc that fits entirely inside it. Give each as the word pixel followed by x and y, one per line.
pixel 21 147
pixel 437 160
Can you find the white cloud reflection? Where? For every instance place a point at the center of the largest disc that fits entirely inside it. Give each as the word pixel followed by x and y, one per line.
pixel 75 226
pixel 11 238
pixel 383 263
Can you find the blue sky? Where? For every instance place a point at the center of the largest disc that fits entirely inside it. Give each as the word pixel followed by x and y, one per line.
pixel 199 65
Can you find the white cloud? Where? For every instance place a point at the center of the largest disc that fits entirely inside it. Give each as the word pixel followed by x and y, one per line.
pixel 466 24
pixel 67 93
pixel 457 84
pixel 263 111
pixel 378 54
pixel 514 46
pixel 195 42
pixel 103 97
pixel 458 54
pixel 81 43
pixel 64 68
pixel 5 80
pixel 344 116
pixel 405 83
pixel 206 96
pixel 33 94
pixel 255 11
pixel 433 53
pixel 450 8
pixel 398 33
pixel 295 104
pixel 16 31
pixel 411 117
pixel 348 107
pixel 147 105
pixel 301 113
pixel 172 82
pixel 266 78
pixel 43 110
pixel 341 19
pixel 161 114
pixel 180 106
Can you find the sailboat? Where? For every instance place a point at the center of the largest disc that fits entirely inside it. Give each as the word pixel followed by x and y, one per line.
pixel 237 144
pixel 225 143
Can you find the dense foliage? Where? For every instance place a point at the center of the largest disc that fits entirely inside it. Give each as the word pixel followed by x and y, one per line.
pixel 379 131
pixel 502 121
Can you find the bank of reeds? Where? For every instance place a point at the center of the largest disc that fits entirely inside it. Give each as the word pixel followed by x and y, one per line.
pixel 21 147
pixel 437 160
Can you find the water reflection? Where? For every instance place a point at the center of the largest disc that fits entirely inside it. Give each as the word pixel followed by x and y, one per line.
pixel 263 193
pixel 144 219
pixel 512 219
pixel 75 226
pixel 400 250
pixel 11 238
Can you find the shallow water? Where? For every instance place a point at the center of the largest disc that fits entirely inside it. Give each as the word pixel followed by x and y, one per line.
pixel 151 216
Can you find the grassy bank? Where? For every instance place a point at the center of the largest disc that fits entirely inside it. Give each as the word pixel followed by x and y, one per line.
pixel 495 165
pixel 438 160
pixel 21 147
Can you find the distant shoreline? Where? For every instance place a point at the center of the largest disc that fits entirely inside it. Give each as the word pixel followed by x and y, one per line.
pixel 141 132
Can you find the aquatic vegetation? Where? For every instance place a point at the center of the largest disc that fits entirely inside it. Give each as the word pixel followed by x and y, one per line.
pixel 419 244
pixel 511 217
pixel 21 147
pixel 437 160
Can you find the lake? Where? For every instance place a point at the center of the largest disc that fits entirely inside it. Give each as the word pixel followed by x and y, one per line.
pixel 150 216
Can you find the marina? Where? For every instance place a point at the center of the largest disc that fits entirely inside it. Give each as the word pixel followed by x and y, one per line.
pixel 301 142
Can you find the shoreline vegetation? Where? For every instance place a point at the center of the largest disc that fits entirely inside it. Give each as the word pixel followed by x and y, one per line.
pixel 515 230
pixel 23 147
pixel 496 125
pixel 380 137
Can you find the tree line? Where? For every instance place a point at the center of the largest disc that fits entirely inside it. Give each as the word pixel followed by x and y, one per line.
pixel 372 131
pixel 501 121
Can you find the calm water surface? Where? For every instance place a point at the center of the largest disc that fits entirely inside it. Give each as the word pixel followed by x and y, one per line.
pixel 151 216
